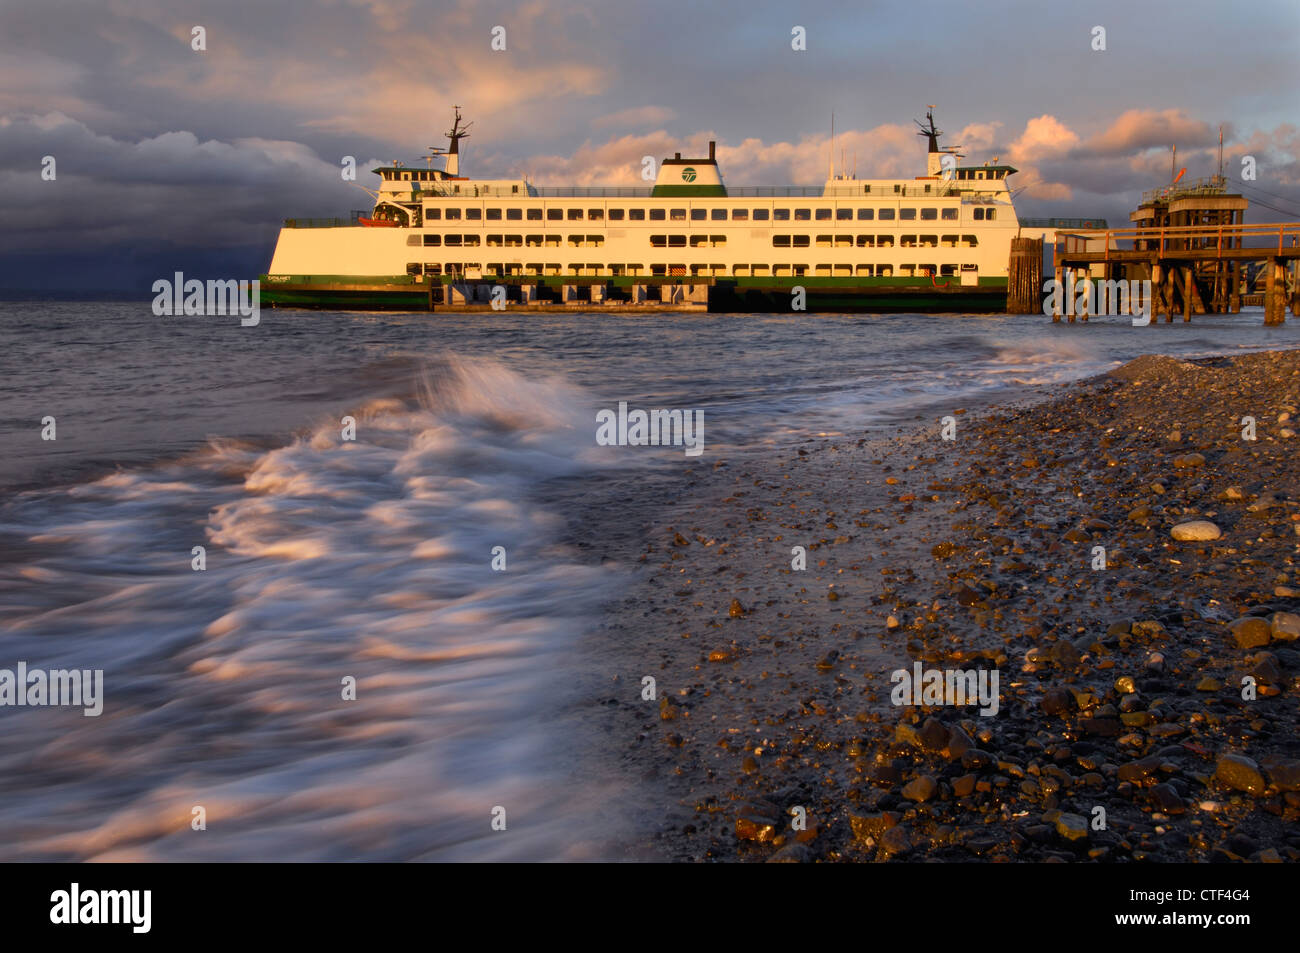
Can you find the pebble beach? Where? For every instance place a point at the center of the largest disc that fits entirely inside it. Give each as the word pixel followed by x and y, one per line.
pixel 1119 551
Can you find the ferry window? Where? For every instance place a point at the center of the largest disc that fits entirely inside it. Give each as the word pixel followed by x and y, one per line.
pixel 760 215
pixel 535 240
pixel 866 214
pixel 575 241
pixel 698 241
pixel 950 215
pixel 737 214
pixel 514 190
pixel 658 271
pixel 927 190
pixel 844 214
pixel 616 215
pixel 716 240
pixel 676 241
pixel 824 214
pixel 866 190
pixel 947 269
pixel 948 241
pixel 781 271
pixel 433 240
pixel 800 270
pixel 844 240
pixel 433 213
pixel 907 241
pixel 886 214
pixel 800 241
pixel 929 214
pixel 884 271
pixel 635 269
pixel 513 241
pixel 780 241
pixel 802 215
pixel 658 241
pixel 494 215
pixel 979 215
pixel 471 239
pixel 406 177
pixel 637 214
pixel 595 214
pixel 864 271
pixel 700 214
pixel 718 214
pixel 453 213
pixel 866 241
pixel 740 271
pixel 658 214
pixel 494 241
pixel 843 271
pixel 514 214
pixel 553 241
pixel 884 241
pixel 898 189
pixel 988 214
pixel 474 214
pixel 451 241
pixel 907 214
pixel 823 240
pixel 970 241
pixel 760 271
pixel 781 214
pixel 677 214
pixel 534 215
pixel 554 214
pixel 575 214
pixel 595 240
pixel 930 240
pixel 413 239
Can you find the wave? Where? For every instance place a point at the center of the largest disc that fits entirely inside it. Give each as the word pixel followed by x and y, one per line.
pixel 326 558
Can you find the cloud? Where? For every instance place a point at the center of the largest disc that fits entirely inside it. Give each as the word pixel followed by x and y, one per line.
pixel 637 116
pixel 1139 129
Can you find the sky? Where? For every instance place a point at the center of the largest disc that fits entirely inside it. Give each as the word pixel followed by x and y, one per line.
pixel 167 158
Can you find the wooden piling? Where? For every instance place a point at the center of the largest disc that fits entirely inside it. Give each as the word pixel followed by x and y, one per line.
pixel 1025 276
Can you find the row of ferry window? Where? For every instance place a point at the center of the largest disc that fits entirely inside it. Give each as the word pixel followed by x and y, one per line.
pixel 666 270
pixel 696 241
pixel 842 214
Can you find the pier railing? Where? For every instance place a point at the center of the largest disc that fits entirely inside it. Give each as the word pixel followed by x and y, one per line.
pixel 1278 238
pixel 859 190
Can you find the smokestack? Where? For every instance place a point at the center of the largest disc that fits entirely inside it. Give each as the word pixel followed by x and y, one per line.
pixel 713 146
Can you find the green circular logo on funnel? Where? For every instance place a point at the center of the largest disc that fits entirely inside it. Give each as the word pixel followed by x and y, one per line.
pixel 688 174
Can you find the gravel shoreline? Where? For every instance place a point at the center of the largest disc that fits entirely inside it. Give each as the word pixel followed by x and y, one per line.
pixel 1122 731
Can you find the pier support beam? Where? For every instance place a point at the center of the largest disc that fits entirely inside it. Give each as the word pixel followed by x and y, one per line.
pixel 1275 292
pixel 528 294
pixel 459 294
pixel 598 294
pixel 1060 284
pixel 568 293
pixel 1157 291
pixel 640 294
pixel 1189 287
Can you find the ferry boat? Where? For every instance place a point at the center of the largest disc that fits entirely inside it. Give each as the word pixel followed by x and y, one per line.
pixel 439 240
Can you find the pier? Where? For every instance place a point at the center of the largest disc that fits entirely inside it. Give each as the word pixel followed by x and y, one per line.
pixel 1192 244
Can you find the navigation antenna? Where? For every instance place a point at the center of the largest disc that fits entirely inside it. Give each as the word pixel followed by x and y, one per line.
pixel 928 129
pixel 452 152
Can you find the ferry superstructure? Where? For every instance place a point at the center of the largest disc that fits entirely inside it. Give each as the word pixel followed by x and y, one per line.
pixel 441 240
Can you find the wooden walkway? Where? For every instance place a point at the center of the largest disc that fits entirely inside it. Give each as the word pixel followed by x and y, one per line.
pixel 1192 269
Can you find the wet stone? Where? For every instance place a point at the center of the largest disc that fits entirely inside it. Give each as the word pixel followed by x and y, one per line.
pixel 1239 773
